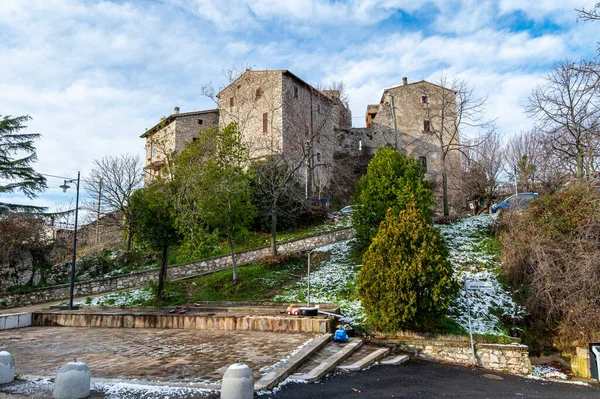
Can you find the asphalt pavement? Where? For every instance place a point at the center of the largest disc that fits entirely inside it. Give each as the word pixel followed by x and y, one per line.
pixel 422 379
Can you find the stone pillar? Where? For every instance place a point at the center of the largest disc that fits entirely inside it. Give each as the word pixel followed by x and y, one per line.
pixel 72 381
pixel 238 382
pixel 7 367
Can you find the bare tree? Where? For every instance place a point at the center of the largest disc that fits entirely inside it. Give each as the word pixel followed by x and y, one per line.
pixel 452 107
pixel 484 165
pixel 109 187
pixel 289 147
pixel 566 111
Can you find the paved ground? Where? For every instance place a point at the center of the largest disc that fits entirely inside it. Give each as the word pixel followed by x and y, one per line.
pixel 421 379
pixel 157 354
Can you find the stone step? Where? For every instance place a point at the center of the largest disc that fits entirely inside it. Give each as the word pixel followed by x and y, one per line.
pixel 363 358
pixel 326 360
pixel 284 369
pixel 395 359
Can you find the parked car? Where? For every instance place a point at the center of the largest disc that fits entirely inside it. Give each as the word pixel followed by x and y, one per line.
pixel 515 201
pixel 345 211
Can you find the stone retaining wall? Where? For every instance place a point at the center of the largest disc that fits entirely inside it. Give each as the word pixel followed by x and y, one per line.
pixel 186 270
pixel 281 324
pixel 512 358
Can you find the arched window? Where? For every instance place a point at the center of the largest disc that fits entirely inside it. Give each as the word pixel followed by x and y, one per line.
pixel 259 93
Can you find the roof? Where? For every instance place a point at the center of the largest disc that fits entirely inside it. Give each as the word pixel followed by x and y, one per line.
pixel 414 83
pixel 172 117
pixel 283 72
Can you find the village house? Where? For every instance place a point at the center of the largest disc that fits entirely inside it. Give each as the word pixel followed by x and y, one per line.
pixel 279 113
pixel 418 119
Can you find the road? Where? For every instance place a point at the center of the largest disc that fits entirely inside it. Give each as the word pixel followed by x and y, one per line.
pixel 421 379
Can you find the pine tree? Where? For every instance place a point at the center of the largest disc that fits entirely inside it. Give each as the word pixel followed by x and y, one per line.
pixel 406 279
pixel 17 154
pixel 392 179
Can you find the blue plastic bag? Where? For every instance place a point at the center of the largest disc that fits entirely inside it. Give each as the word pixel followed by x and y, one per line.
pixel 341 335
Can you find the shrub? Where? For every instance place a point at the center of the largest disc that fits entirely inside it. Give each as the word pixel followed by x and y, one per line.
pixel 391 180
pixel 275 260
pixel 551 256
pixel 406 278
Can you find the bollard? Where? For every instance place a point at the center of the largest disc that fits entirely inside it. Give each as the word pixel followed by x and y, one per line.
pixel 7 368
pixel 72 381
pixel 238 382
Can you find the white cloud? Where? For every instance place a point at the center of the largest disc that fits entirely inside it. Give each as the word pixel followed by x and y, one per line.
pixel 94 75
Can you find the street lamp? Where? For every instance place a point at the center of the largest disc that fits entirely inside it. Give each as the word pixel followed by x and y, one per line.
pixel 64 187
pixel 309 255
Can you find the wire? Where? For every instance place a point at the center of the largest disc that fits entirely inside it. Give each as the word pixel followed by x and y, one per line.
pixel 58 177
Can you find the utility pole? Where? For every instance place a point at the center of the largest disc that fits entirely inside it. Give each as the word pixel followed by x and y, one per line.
pixel 98 210
pixel 516 185
pixel 395 128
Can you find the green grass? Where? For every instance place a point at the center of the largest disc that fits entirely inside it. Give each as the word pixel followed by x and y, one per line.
pixel 257 282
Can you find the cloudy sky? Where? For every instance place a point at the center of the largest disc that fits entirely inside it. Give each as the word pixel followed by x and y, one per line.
pixel 94 75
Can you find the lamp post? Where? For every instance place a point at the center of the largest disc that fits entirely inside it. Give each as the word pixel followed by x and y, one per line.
pixel 309 255
pixel 64 187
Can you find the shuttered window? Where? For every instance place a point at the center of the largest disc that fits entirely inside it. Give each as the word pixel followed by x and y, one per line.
pixel 265 122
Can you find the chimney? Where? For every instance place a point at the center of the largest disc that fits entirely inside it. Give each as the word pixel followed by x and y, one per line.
pixel 176 110
pixel 404 81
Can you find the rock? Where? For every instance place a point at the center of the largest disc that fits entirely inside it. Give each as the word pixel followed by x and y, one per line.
pixel 238 382
pixel 7 368
pixel 72 381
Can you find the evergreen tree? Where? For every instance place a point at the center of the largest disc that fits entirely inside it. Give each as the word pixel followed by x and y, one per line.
pixel 392 179
pixel 406 279
pixel 152 215
pixel 17 154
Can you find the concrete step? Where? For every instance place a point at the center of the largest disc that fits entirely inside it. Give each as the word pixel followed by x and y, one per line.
pixel 281 371
pixel 363 358
pixel 395 359
pixel 326 360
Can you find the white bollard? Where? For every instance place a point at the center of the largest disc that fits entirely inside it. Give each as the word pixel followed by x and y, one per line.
pixel 7 368
pixel 238 382
pixel 72 381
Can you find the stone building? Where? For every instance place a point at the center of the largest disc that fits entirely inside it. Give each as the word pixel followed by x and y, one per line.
pixel 169 136
pixel 421 124
pixel 279 113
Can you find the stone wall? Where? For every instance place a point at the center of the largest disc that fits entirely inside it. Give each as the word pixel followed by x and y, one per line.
pixel 513 358
pixel 281 324
pixel 186 270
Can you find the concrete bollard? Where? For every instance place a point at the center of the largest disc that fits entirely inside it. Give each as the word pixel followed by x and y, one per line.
pixel 7 368
pixel 238 382
pixel 72 381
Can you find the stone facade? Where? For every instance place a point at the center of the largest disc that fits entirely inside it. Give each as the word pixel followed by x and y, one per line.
pixel 512 358
pixel 169 137
pixel 186 270
pixel 425 114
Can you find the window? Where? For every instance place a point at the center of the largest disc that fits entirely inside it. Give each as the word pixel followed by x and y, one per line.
pixel 152 151
pixel 424 100
pixel 295 91
pixel 426 126
pixel 265 122
pixel 200 122
pixel 231 101
pixel 423 161
pixel 318 157
pixel 259 93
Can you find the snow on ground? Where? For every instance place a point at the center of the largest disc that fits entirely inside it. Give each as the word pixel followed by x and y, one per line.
pixel 548 372
pixel 122 298
pixel 332 282
pixel 473 260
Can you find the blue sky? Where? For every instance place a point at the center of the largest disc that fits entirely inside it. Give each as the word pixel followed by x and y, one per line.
pixel 95 74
